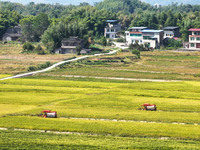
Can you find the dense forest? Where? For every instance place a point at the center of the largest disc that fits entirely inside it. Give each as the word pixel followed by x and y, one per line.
pixel 51 23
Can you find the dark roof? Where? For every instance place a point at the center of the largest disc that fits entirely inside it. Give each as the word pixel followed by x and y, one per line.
pixel 151 31
pixel 13 35
pixel 138 28
pixel 170 28
pixel 111 21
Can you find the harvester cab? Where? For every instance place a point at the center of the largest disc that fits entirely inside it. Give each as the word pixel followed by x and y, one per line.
pixel 147 106
pixel 48 114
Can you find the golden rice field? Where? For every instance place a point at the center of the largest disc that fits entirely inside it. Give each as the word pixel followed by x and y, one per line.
pixel 174 126
pixel 101 113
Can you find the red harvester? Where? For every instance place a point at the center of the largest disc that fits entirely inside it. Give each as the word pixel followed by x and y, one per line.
pixel 48 114
pixel 147 106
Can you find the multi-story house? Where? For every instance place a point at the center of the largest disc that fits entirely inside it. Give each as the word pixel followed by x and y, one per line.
pixel 142 35
pixel 171 32
pixel 135 35
pixel 194 39
pixel 154 38
pixel 112 28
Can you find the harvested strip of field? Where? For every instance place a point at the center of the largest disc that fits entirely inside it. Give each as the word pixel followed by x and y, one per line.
pixel 113 78
pixel 35 140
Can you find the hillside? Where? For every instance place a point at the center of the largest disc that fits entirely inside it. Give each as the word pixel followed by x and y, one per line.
pixel 64 2
pixel 168 2
pixel 127 6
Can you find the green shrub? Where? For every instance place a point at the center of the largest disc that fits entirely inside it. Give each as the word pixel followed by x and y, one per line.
pixel 40 66
pixel 28 47
pixel 39 50
pixel 136 52
pixel 32 68
pixel 120 40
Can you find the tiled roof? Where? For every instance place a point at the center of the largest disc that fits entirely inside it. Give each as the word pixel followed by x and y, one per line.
pixel 194 29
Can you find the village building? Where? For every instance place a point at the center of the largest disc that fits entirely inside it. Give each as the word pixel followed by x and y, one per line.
pixel 134 35
pixel 194 39
pixel 143 35
pixel 13 34
pixel 69 46
pixel 154 38
pixel 112 28
pixel 171 32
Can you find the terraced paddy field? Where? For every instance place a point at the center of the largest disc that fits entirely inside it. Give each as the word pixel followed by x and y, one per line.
pixel 167 65
pixel 12 61
pixel 99 114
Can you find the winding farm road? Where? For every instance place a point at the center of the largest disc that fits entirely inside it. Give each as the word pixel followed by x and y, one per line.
pixel 55 65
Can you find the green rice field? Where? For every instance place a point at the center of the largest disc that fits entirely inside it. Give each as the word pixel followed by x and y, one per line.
pixel 99 114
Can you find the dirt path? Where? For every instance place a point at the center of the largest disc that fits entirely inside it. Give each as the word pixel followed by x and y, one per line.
pixel 115 78
pixel 55 65
pixel 74 133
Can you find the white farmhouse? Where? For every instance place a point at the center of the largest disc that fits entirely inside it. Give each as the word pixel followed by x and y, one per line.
pixel 154 38
pixel 142 35
pixel 194 39
pixel 134 35
pixel 111 29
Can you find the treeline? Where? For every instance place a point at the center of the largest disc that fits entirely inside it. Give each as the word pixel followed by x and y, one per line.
pixel 52 23
pixel 123 6
pixel 158 20
pixel 131 6
pixel 86 22
pixel 8 19
pixel 53 11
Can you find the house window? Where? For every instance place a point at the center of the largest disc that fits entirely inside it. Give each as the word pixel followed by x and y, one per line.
pixel 192 45
pixel 108 30
pixel 136 35
pixel 112 30
pixel 140 41
pixel 127 34
pixel 108 35
pixel 146 37
pixel 192 38
pixel 133 41
pixel 198 38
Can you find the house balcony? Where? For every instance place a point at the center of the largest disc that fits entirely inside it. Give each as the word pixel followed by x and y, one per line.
pixel 194 38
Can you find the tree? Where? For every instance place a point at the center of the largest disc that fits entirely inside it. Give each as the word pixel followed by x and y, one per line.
pixel 40 24
pixel 104 41
pixel 78 50
pixel 56 33
pixel 28 47
pixel 27 28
